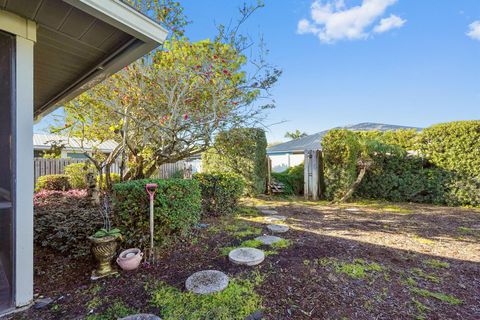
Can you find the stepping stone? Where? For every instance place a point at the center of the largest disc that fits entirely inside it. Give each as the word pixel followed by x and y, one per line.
pixel 207 281
pixel 277 228
pixel 141 316
pixel 268 240
pixel 275 218
pixel 246 256
pixel 263 207
pixel 352 209
pixel 269 212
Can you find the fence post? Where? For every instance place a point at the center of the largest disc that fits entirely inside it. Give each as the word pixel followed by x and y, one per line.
pixel 312 174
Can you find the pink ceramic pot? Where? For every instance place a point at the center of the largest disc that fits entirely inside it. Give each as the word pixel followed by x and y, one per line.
pixel 130 259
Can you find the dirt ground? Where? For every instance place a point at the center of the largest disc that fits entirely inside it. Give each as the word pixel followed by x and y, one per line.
pixel 365 260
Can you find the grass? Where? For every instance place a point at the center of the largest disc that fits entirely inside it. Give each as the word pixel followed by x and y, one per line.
pixel 380 205
pixel 419 273
pixel 117 310
pixel 437 295
pixel 436 264
pixel 237 301
pixel 423 240
pixel 359 269
pixel 247 243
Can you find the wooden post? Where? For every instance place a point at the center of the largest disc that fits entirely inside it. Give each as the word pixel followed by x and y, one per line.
pixel 269 175
pixel 312 172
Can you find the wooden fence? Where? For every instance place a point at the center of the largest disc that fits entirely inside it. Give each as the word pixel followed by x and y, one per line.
pixel 44 167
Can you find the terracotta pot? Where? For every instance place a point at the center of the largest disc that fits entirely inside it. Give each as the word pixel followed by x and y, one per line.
pixel 104 250
pixel 130 259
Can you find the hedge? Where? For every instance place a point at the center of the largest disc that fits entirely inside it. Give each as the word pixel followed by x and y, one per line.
pixel 220 192
pixel 241 151
pixel 56 182
pixel 64 220
pixel 439 165
pixel 293 179
pixel 177 208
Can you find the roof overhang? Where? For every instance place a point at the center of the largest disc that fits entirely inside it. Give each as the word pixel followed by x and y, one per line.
pixel 81 42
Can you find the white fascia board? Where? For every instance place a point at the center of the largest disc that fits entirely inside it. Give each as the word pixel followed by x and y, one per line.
pixel 123 17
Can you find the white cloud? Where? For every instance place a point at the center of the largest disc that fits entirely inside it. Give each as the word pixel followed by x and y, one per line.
pixel 331 20
pixel 387 24
pixel 474 30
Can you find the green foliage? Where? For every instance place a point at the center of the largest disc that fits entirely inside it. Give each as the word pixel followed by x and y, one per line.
pixel 116 311
pixel 63 221
pixel 114 177
pixel 241 151
pixel 237 301
pixel 437 295
pixel 358 269
pixel 340 155
pixel 292 178
pixel 220 192
pixel 57 182
pixel 436 264
pixel 102 233
pixel 177 207
pixel 453 146
pixel 76 174
pixel 439 165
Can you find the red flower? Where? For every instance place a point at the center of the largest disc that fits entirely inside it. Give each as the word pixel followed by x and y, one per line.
pixel 185 116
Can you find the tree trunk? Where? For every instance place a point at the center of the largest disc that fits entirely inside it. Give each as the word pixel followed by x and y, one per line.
pixel 354 186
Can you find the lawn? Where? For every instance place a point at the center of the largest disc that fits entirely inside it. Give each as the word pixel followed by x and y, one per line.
pixel 366 260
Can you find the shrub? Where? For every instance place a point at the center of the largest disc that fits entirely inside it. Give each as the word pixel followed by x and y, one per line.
pixel 241 151
pixel 340 154
pixel 220 192
pixel 56 182
pixel 76 174
pixel 114 177
pixel 293 179
pixel 64 220
pixel 177 208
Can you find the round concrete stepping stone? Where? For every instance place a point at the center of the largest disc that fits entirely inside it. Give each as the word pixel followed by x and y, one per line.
pixel 277 228
pixel 142 316
pixel 207 281
pixel 269 212
pixel 275 218
pixel 246 256
pixel 352 209
pixel 263 207
pixel 268 240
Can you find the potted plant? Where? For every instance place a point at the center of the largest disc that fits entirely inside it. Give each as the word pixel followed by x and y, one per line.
pixel 104 243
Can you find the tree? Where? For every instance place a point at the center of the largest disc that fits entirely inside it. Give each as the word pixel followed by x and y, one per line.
pixel 169 105
pixel 297 134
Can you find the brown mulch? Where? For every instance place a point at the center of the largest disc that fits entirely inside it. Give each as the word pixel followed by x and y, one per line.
pixel 297 285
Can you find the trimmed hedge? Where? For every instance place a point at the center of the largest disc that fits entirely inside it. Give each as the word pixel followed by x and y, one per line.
pixel 439 165
pixel 64 220
pixel 76 174
pixel 56 182
pixel 340 154
pixel 220 192
pixel 242 151
pixel 293 179
pixel 177 208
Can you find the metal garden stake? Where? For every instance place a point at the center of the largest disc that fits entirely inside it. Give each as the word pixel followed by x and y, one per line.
pixel 151 190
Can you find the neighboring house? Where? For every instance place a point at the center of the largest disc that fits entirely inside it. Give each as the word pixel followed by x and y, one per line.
pixel 291 153
pixel 50 52
pixel 73 147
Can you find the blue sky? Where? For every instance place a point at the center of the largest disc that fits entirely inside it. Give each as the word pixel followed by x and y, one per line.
pixel 345 65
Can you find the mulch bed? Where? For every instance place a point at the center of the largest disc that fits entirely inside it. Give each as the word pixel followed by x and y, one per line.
pixel 298 285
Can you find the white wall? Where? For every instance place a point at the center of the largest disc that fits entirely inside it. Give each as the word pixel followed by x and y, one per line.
pixel 281 162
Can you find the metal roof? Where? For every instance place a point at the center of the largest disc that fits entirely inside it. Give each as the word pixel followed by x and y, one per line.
pixel 45 141
pixel 81 42
pixel 313 142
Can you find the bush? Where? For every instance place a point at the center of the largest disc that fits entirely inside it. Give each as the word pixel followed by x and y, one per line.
pixel 340 154
pixel 114 177
pixel 177 208
pixel 220 192
pixel 56 182
pixel 293 179
pixel 64 220
pixel 76 174
pixel 241 151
